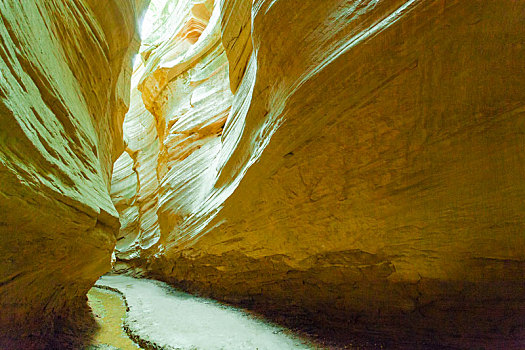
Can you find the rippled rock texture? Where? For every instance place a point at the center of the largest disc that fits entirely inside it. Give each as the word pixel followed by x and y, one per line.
pixel 64 90
pixel 180 101
pixel 344 166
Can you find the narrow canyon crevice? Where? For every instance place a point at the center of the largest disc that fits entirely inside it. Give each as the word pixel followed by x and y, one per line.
pixel 352 170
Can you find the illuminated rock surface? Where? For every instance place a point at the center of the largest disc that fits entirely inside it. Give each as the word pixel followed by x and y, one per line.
pixel 365 176
pixel 64 90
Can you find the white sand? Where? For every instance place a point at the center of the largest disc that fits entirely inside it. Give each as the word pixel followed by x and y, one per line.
pixel 171 319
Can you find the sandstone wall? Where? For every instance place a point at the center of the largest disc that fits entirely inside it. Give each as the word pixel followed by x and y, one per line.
pixel 180 100
pixel 64 89
pixel 369 174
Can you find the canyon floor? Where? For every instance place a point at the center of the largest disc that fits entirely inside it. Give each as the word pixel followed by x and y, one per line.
pixel 160 317
pixel 109 311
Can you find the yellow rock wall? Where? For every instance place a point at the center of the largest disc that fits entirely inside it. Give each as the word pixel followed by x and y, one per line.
pixel 369 174
pixel 64 90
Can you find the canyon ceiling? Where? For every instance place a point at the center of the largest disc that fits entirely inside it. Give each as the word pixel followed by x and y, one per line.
pixel 342 167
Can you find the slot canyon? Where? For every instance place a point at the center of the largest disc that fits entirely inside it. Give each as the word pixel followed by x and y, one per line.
pixel 262 174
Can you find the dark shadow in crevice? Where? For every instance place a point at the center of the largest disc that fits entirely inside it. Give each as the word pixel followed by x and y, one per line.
pixel 70 329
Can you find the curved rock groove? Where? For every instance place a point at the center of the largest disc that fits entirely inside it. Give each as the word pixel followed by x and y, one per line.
pixel 160 317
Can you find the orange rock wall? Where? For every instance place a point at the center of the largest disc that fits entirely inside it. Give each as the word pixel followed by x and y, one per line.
pixel 64 90
pixel 369 174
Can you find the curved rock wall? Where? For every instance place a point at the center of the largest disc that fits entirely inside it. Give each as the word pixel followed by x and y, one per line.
pixel 365 175
pixel 64 90
pixel 135 183
pixel 180 101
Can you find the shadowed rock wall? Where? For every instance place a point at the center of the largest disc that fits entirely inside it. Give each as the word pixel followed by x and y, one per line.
pixel 369 174
pixel 64 91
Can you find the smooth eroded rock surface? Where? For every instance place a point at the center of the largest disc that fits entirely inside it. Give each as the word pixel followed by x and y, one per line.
pixel 64 90
pixel 348 167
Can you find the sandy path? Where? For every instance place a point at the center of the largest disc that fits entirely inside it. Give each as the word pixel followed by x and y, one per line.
pixel 109 311
pixel 164 318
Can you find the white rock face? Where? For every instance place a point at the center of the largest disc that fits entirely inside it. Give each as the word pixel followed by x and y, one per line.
pixel 135 183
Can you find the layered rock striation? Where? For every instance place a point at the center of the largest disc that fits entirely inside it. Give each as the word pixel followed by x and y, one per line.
pixel 349 167
pixel 180 101
pixel 65 70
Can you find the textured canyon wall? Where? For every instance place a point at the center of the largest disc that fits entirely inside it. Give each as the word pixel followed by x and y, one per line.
pixel 180 100
pixel 64 90
pixel 369 173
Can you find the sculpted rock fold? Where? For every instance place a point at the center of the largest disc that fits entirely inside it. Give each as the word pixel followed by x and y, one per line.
pixel 182 89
